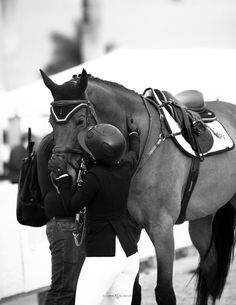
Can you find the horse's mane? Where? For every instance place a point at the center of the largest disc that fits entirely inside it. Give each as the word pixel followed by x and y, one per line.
pixel 110 83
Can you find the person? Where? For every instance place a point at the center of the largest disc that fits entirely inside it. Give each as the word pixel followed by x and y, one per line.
pixel 112 263
pixel 17 153
pixel 66 258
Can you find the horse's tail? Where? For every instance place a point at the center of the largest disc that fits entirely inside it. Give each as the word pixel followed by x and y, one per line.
pixel 213 268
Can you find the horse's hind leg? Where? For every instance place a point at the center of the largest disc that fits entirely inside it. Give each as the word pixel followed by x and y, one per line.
pixel 200 231
pixel 215 243
pixel 163 241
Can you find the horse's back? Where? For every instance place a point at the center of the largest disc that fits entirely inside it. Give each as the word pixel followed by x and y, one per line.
pixel 225 113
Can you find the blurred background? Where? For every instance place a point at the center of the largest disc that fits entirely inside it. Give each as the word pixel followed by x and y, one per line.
pixel 168 44
pixel 58 35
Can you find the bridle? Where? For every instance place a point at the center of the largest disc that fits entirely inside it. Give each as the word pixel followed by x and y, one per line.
pixel 62 111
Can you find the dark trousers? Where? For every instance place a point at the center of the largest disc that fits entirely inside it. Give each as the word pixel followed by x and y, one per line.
pixel 67 260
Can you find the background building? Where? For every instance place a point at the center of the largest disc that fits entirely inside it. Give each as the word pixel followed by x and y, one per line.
pixel 56 35
pixel 28 41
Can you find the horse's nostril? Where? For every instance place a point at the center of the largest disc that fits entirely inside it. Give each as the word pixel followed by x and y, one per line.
pixel 63 156
pixel 59 152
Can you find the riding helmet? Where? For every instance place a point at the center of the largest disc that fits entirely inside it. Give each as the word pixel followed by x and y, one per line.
pixel 103 142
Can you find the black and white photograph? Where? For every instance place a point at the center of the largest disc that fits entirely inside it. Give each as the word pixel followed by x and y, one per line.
pixel 117 152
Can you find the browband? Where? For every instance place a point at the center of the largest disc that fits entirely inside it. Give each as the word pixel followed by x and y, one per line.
pixel 68 102
pixel 62 110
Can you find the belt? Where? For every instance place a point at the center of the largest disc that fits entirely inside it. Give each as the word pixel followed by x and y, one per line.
pixel 63 218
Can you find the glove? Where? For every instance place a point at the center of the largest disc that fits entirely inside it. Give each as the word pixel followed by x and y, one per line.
pixel 131 125
pixel 57 165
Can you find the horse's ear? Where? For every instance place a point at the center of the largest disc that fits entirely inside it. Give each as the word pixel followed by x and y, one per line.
pixel 48 82
pixel 83 83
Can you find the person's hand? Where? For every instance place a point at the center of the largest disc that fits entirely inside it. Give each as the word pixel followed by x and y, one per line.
pixel 131 125
pixel 57 165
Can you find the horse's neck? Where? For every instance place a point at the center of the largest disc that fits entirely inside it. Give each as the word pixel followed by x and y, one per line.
pixel 111 102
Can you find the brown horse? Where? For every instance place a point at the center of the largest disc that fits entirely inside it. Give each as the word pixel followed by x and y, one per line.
pixel 158 185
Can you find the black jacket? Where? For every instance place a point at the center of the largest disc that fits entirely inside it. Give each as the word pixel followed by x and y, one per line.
pixel 105 193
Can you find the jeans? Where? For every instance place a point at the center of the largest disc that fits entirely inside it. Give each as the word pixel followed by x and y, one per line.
pixel 66 259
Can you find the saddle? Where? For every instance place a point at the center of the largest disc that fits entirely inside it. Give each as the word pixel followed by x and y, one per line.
pixel 193 101
pixel 189 110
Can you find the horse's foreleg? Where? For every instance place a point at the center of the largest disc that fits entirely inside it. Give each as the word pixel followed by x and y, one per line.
pixel 163 241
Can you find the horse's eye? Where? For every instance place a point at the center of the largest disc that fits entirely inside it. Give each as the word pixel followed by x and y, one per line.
pixel 80 122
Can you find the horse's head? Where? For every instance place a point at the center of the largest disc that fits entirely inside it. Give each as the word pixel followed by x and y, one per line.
pixel 84 101
pixel 71 112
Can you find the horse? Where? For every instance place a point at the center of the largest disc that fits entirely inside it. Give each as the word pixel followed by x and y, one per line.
pixel 158 184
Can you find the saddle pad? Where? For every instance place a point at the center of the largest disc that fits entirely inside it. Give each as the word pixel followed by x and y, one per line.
pixel 221 139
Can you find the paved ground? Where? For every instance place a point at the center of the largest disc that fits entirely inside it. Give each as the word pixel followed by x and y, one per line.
pixel 184 286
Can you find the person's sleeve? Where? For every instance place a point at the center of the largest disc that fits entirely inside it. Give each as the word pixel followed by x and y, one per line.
pixel 132 156
pixel 51 197
pixel 74 201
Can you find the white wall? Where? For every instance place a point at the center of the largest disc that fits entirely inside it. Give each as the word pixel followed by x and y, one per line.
pixel 24 254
